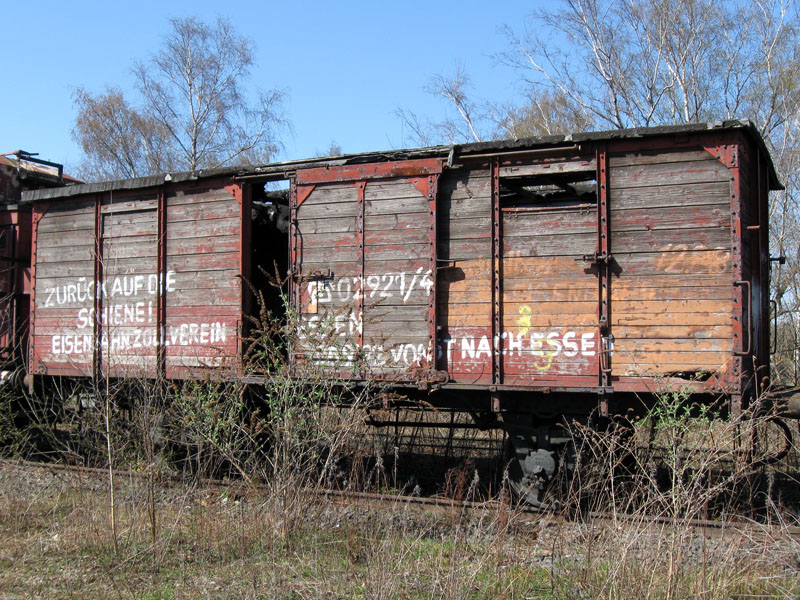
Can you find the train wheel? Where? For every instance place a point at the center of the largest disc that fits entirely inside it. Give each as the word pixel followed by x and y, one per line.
pixel 771 441
pixel 542 463
pixel 530 470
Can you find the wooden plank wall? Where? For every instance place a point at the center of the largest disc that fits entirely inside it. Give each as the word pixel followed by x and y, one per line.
pixel 388 308
pixel 671 309
pixel 671 304
pixel 397 276
pixel 329 318
pixel 201 285
pixel 550 295
pixel 62 342
pixel 464 282
pixel 130 305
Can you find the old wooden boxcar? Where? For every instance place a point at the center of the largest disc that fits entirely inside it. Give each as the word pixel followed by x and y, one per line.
pixel 608 262
pixel 529 279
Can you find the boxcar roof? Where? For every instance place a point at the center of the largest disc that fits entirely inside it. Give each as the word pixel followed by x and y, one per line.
pixel 282 170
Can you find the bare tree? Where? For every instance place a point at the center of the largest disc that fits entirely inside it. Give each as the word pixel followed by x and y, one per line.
pixel 542 114
pixel 117 140
pixel 194 110
pixel 416 130
pixel 333 149
pixel 466 125
pixel 454 89
pixel 646 62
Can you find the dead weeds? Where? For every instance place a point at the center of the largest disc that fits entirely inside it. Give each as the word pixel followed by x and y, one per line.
pixel 239 543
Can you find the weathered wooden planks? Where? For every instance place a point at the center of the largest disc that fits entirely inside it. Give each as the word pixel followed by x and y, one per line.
pixel 200 288
pixel 671 240
pixel 202 319
pixel 374 299
pixel 64 288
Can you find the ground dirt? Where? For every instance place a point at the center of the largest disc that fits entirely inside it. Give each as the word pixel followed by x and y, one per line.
pixel 237 542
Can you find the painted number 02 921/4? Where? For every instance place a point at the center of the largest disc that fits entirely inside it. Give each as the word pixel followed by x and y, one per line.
pixel 388 285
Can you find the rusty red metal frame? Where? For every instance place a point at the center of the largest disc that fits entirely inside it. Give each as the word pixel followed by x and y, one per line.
pixel 361 189
pixel 729 155
pixel 294 247
pixel 97 325
pixel 292 233
pixel 161 297
pixel 38 211
pixel 497 274
pixel 603 260
pixel 296 259
pixel 432 195
pixel 385 170
pixel 242 193
pixel 303 192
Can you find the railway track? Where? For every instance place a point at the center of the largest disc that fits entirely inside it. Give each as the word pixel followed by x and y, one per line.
pixel 528 514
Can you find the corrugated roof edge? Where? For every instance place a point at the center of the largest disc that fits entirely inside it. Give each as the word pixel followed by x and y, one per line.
pixel 407 154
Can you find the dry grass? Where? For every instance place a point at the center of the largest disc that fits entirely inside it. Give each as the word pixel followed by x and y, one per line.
pixel 274 541
pixel 56 543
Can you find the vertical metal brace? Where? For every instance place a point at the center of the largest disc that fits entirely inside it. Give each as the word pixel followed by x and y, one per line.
pixel 161 298
pixel 241 192
pixel 36 216
pixel 361 188
pixel 97 325
pixel 497 275
pixel 433 181
pixel 295 268
pixel 294 251
pixel 729 153
pixel 603 259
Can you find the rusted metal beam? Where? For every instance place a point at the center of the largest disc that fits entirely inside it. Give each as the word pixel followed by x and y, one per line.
pixel 602 261
pixel 497 274
pixel 33 358
pixel 295 261
pixel 97 324
pixel 161 269
pixel 740 293
pixel 360 291
pixel 431 192
pixel 500 154
pixel 303 192
pixel 407 168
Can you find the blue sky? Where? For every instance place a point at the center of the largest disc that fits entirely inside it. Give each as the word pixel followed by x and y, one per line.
pixel 345 65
